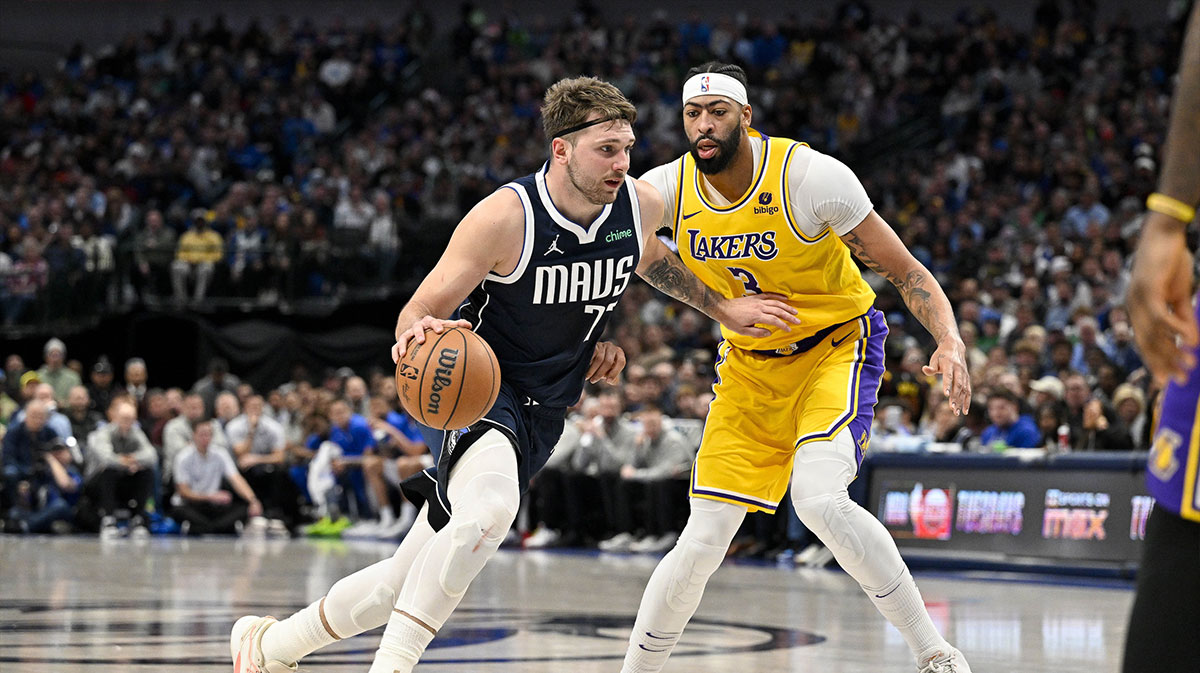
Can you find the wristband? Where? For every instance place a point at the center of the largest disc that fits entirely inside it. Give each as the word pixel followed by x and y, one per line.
pixel 1171 207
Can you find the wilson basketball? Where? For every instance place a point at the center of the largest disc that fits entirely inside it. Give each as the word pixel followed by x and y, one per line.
pixel 450 381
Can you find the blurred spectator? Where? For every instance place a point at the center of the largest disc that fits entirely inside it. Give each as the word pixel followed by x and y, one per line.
pixel 204 475
pixel 24 443
pixel 401 453
pixel 53 493
pixel 355 393
pixel 1129 402
pixel 136 376
pixel 14 370
pixel 1093 426
pixel 225 409
pixel 200 249
pixel 384 238
pixel 1009 427
pixel 647 505
pixel 57 422
pixel 120 471
pixel 259 449
pixel 100 389
pixel 178 433
pixel 84 420
pixel 154 250
pixel 8 406
pixel 217 381
pixel 60 378
pixel 25 281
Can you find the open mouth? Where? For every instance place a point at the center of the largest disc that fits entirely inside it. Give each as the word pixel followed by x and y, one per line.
pixel 614 183
pixel 706 149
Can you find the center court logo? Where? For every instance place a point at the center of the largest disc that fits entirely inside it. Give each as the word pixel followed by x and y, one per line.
pixel 512 636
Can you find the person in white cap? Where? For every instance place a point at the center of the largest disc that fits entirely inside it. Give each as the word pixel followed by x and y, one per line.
pixel 61 378
pixel 754 214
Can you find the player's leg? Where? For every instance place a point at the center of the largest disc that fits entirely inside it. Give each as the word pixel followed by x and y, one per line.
pixel 484 496
pixel 356 603
pixel 674 590
pixel 861 544
pixel 1162 626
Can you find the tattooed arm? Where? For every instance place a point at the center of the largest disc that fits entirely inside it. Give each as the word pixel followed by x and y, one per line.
pixel 874 242
pixel 663 269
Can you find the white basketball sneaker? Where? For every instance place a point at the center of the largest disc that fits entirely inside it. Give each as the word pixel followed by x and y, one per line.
pixel 944 662
pixel 245 646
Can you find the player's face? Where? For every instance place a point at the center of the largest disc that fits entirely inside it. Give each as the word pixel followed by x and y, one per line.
pixel 599 161
pixel 714 131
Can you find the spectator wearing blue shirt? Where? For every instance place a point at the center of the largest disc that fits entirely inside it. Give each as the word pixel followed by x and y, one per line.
pixel 23 446
pixel 1009 426
pixel 402 452
pixel 353 434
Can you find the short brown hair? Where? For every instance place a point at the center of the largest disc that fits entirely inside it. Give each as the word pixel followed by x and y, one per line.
pixel 569 103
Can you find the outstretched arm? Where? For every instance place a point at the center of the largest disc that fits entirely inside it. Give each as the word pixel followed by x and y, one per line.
pixel 874 242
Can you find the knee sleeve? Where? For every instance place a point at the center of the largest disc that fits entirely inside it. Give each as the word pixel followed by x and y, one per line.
pixel 819 478
pixel 485 497
pixel 374 609
pixel 700 550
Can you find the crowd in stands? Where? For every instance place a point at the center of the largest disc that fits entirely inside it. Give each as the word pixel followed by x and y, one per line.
pixel 257 163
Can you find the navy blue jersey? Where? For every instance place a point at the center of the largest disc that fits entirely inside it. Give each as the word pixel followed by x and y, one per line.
pixel 544 319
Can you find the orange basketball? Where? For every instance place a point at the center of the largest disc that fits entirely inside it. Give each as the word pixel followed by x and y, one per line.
pixel 450 381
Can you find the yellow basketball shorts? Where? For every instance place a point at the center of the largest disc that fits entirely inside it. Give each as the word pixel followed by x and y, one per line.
pixel 767 406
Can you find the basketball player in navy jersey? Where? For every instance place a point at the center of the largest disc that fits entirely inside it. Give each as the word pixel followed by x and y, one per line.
pixel 536 268
pixel 1164 628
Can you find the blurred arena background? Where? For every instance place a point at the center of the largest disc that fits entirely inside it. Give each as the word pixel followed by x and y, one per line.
pixel 234 199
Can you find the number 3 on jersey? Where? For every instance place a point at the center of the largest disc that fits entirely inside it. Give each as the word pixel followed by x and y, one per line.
pixel 747 279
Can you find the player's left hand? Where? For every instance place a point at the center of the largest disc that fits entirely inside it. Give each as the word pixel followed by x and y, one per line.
pixel 607 362
pixel 758 315
pixel 950 362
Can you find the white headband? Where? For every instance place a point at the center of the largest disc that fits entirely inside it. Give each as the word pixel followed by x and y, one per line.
pixel 714 84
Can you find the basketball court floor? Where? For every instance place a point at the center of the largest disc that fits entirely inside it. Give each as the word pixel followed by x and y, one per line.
pixel 80 605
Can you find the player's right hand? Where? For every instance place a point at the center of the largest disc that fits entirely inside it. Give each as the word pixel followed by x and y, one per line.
pixel 1160 300
pixel 416 333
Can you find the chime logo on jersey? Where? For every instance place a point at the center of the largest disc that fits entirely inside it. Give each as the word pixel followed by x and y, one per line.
pixel 738 246
pixel 581 281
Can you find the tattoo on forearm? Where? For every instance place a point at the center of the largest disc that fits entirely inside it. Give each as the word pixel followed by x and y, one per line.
pixel 913 290
pixel 674 279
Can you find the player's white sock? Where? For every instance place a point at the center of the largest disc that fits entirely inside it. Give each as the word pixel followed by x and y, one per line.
pixel 296 636
pixel 403 643
pixel 899 601
pixel 356 603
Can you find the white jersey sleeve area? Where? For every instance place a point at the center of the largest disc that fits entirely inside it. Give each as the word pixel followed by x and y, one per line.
pixel 665 179
pixel 825 193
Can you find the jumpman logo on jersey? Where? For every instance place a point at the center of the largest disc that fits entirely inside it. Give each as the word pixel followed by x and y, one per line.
pixel 554 247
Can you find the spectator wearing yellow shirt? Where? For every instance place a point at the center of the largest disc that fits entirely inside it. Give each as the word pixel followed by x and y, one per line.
pixel 200 248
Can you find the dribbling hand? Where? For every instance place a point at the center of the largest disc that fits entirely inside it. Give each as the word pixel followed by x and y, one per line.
pixel 416 333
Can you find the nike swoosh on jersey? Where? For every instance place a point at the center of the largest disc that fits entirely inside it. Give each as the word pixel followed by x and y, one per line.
pixel 838 342
pixel 693 214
